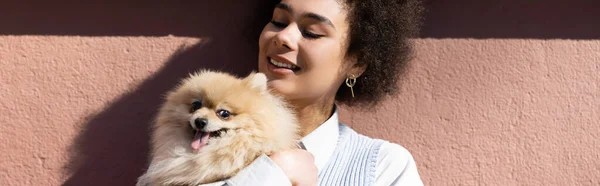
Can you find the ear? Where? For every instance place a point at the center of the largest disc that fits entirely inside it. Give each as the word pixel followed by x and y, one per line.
pixel 354 67
pixel 358 69
pixel 257 81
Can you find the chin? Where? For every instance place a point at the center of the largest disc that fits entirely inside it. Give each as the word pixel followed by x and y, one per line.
pixel 283 88
pixel 213 125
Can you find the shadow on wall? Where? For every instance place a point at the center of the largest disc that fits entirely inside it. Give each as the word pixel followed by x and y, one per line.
pixel 531 19
pixel 534 19
pixel 118 18
pixel 112 147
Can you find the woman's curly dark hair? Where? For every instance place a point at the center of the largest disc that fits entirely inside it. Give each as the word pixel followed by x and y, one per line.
pixel 380 33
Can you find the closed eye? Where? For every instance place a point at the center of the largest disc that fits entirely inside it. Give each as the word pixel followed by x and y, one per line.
pixel 278 24
pixel 305 34
pixel 311 35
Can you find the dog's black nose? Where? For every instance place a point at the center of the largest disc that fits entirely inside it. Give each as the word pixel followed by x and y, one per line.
pixel 200 123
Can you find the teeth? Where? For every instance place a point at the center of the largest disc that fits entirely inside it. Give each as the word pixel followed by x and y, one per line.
pixel 282 65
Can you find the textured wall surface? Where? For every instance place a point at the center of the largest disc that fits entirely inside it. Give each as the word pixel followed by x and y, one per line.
pixel 498 112
pixel 505 93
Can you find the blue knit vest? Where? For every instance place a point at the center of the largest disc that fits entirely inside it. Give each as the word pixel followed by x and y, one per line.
pixel 353 162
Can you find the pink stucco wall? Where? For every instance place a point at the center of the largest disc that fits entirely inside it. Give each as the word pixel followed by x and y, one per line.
pixel 479 106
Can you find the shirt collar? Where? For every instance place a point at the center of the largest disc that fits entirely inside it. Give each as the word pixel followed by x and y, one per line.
pixel 322 141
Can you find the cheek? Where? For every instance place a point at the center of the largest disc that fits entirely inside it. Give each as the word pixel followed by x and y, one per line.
pixel 263 41
pixel 326 53
pixel 216 124
pixel 324 62
pixel 174 113
pixel 243 122
pixel 264 38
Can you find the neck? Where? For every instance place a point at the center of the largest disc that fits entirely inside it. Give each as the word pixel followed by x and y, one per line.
pixel 311 116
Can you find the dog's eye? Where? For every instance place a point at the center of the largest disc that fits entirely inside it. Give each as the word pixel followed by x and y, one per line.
pixel 223 114
pixel 196 105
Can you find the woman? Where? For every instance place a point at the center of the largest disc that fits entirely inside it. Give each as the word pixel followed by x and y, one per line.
pixel 317 53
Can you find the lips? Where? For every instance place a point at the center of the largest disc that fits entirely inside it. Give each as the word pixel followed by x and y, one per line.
pixel 281 66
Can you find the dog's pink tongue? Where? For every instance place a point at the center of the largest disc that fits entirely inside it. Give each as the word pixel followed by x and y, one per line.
pixel 200 140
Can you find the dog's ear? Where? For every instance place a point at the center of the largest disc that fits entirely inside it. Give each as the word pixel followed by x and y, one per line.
pixel 257 81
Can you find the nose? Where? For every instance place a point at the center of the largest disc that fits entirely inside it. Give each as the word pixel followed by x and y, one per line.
pixel 200 123
pixel 287 38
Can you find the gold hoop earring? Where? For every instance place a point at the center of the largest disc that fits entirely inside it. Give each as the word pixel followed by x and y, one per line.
pixel 350 82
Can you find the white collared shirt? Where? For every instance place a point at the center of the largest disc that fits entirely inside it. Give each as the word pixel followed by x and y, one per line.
pixel 395 165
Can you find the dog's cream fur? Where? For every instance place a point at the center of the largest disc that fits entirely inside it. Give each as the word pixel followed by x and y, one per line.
pixel 261 123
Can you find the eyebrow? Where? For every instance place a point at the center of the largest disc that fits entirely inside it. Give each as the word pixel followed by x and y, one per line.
pixel 314 16
pixel 284 6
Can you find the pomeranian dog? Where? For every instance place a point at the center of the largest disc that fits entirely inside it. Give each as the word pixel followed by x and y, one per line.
pixel 214 124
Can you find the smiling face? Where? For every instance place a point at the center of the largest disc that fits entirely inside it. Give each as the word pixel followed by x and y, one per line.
pixel 303 49
pixel 210 106
pixel 212 110
pixel 213 124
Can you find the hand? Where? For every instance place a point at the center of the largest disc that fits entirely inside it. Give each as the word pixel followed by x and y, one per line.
pixel 298 165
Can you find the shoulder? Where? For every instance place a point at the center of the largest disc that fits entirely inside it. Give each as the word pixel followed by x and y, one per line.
pixel 388 154
pixel 396 165
pixel 392 155
pixel 387 150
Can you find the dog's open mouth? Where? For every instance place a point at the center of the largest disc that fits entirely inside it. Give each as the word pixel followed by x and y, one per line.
pixel 201 138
